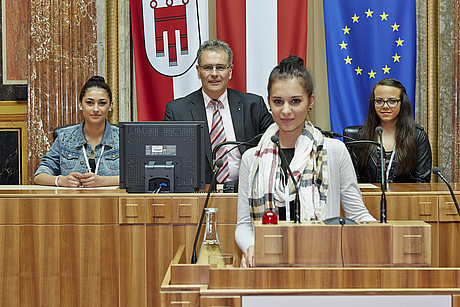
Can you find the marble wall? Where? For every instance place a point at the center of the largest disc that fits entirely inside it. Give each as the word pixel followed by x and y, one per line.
pixel 10 161
pixel 13 50
pixel 445 41
pixel 62 57
pixel 15 20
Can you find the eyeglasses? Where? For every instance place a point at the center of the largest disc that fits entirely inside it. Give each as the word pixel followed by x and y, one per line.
pixel 218 67
pixel 392 103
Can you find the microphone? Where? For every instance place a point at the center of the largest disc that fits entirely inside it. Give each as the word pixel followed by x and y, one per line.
pixel 237 144
pixel 250 143
pixel 217 166
pixel 383 201
pixel 332 134
pixel 275 139
pixel 437 171
pixel 355 142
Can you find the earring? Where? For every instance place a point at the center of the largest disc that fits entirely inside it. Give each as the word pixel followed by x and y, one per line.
pixel 81 109
pixel 110 109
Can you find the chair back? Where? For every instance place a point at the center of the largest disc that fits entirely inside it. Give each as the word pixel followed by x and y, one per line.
pixel 351 131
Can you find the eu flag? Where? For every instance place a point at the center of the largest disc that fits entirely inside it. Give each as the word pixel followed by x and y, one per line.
pixel 367 41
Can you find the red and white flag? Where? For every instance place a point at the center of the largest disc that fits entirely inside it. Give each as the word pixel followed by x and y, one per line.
pixel 167 34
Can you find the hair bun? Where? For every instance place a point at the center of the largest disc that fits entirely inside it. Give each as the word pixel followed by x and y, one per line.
pixel 292 61
pixel 97 78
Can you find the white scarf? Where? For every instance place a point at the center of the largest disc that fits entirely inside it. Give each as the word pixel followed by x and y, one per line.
pixel 309 167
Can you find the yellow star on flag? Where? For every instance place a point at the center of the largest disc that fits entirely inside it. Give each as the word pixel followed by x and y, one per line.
pixel 396 57
pixel 399 42
pixel 355 18
pixel 369 13
pixel 348 60
pixel 395 27
pixel 346 30
pixel 358 71
pixel 371 74
pixel 386 69
pixel 343 45
pixel 384 16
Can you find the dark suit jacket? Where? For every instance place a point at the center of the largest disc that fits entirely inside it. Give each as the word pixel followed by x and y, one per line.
pixel 249 114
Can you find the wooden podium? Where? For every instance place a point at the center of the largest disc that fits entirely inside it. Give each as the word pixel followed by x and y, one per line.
pixel 312 243
pixel 200 285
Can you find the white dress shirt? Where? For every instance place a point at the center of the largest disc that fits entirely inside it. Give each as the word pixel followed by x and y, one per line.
pixel 234 156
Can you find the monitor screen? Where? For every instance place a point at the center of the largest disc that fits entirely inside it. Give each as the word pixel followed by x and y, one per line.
pixel 162 156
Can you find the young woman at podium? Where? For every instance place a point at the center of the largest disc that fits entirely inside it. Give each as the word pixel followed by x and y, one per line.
pixel 85 155
pixel 321 166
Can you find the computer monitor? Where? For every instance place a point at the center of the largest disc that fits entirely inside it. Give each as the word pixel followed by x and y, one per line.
pixel 162 156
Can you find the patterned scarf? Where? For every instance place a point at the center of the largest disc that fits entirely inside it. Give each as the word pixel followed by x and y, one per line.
pixel 309 167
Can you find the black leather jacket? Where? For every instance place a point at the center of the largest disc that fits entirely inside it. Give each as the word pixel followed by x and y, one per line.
pixel 371 174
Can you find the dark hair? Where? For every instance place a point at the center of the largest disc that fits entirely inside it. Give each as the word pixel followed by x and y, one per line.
pixel 291 67
pixel 95 82
pixel 405 131
pixel 215 45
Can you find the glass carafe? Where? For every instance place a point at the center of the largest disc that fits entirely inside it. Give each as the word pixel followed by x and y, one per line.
pixel 211 244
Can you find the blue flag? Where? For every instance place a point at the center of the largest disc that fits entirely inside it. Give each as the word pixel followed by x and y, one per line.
pixel 367 41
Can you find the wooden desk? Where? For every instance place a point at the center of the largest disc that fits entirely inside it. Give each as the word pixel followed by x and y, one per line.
pixel 110 248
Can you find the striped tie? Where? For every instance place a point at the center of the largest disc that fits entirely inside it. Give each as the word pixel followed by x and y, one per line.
pixel 217 137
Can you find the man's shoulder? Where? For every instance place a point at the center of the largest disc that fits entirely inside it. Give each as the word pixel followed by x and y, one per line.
pixel 186 99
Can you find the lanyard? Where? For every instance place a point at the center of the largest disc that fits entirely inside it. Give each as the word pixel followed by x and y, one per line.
pixel 87 161
pixel 389 164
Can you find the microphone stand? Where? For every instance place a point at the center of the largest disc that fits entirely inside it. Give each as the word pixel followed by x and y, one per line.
pixel 383 200
pixel 237 144
pixel 275 140
pixel 437 171
pixel 217 166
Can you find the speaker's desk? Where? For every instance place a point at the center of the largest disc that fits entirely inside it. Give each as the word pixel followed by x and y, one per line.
pixel 109 248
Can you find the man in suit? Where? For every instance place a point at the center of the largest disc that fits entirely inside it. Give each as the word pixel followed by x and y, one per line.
pixel 244 115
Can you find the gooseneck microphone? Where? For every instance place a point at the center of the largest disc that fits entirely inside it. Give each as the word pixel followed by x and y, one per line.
pixel 437 171
pixel 332 134
pixel 275 139
pixel 356 142
pixel 383 200
pixel 217 166
pixel 252 142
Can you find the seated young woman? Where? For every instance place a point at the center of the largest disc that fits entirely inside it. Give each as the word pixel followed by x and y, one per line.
pixel 321 166
pixel 406 145
pixel 86 155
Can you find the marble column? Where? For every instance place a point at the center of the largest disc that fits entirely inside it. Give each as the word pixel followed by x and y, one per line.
pixel 455 94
